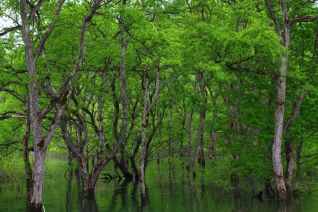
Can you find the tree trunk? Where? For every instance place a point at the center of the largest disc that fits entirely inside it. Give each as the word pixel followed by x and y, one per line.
pixel 290 165
pixel 284 35
pixel 89 188
pixel 122 164
pixel 235 187
pixel 69 179
pixel 36 126
pixel 213 135
pixel 41 141
pixel 213 145
pixel 183 122
pixel 135 172
pixel 37 179
pixel 279 118
pixel 296 191
pixel 200 138
pixel 147 107
pixel 170 139
pixel 143 159
pixel 88 184
pixel 189 145
pixel 26 160
pixel 200 130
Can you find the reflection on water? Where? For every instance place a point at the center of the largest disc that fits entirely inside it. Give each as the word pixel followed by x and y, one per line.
pixel 165 191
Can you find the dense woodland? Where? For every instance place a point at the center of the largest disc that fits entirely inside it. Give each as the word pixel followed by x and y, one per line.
pixel 127 83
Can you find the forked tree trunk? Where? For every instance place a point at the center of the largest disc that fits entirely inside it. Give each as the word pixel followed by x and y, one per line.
pixel 41 140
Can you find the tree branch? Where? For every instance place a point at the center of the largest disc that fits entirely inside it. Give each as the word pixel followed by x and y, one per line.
pixel 66 84
pixel 34 9
pixel 156 89
pixel 11 114
pixel 295 112
pixel 305 19
pixel 273 16
pixel 9 29
pixel 51 26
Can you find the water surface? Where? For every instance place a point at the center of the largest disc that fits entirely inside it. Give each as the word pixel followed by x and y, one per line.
pixel 167 191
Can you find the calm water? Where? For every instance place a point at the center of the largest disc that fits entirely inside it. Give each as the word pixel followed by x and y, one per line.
pixel 167 191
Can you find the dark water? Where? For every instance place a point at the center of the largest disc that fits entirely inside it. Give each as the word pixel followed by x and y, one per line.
pixel 167 191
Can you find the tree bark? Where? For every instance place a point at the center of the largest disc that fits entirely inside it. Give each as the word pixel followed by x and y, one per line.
pixel 37 179
pixel 200 130
pixel 144 124
pixel 296 191
pixel 26 159
pixel 290 165
pixel 189 145
pixel 213 135
pixel 147 107
pixel 279 118
pixel 281 93
pixel 36 125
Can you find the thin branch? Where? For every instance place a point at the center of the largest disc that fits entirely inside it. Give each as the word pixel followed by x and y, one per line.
pixel 85 22
pixel 9 29
pixel 51 26
pixel 306 19
pixel 34 9
pixel 295 112
pixel 273 16
pixel 156 89
pixel 11 114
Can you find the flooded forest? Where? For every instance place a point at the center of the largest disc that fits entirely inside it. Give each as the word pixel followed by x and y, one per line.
pixel 158 105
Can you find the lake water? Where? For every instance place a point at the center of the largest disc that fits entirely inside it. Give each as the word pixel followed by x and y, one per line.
pixel 167 191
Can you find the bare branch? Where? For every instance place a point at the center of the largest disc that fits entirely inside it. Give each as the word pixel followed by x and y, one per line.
pixel 156 89
pixel 13 93
pixel 11 114
pixel 50 28
pixel 9 29
pixel 35 8
pixel 85 22
pixel 66 136
pixel 305 19
pixel 295 112
pixel 273 16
